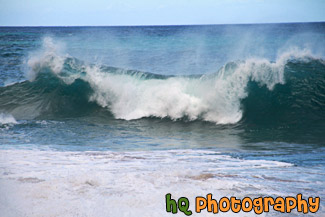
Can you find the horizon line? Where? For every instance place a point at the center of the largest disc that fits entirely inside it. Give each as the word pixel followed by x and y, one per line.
pixel 161 25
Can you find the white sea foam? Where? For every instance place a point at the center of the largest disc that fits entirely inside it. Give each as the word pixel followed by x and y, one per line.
pixel 7 119
pixel 51 183
pixel 214 98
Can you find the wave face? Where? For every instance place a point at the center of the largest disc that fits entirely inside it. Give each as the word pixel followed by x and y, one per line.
pixel 255 91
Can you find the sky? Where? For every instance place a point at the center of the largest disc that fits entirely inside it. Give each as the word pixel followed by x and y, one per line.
pixel 157 12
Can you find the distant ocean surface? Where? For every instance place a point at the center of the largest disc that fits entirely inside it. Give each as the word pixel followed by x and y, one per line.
pixel 105 121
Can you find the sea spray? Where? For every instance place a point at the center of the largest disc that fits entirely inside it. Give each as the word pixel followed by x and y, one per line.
pixel 7 119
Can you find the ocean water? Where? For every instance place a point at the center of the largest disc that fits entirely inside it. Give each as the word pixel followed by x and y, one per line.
pixel 105 121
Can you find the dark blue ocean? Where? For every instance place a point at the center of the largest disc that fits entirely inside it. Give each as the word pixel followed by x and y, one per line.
pixel 105 121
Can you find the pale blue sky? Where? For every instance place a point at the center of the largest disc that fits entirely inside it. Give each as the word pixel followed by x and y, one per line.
pixel 157 12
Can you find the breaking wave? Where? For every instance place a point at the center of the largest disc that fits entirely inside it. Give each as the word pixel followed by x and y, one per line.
pixel 258 91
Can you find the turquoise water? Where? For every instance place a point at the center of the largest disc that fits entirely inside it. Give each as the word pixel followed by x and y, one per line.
pixel 100 115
